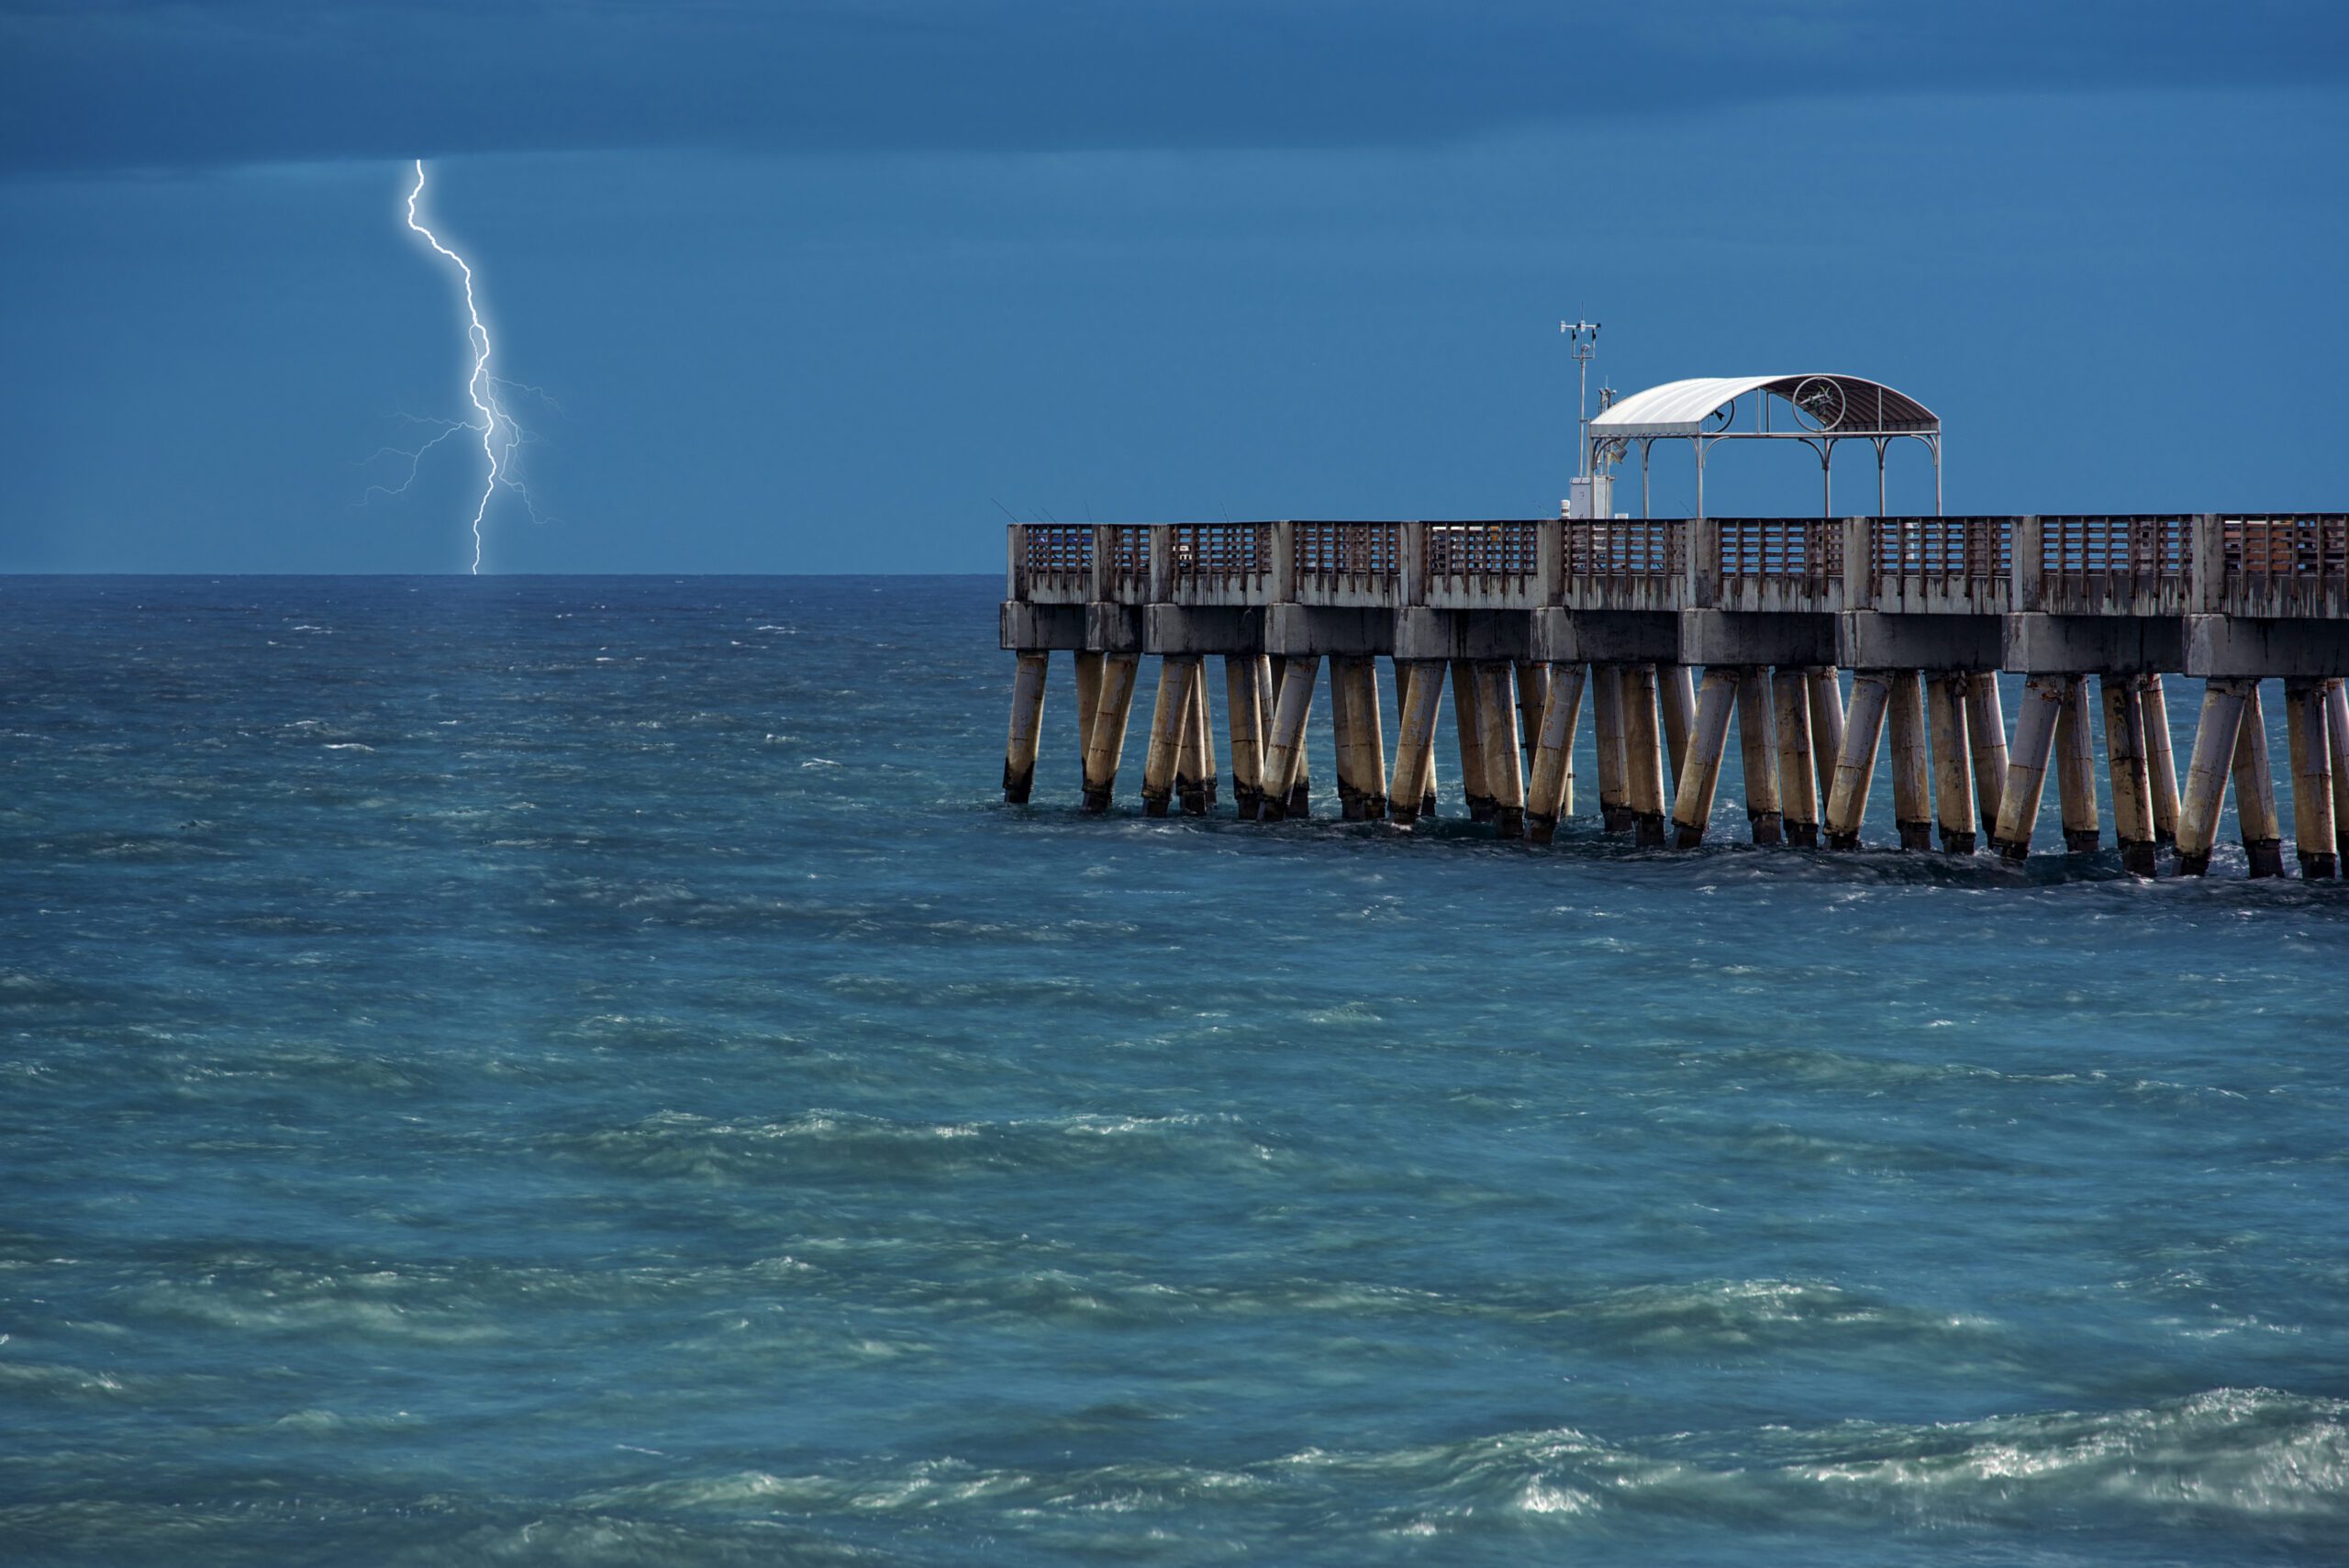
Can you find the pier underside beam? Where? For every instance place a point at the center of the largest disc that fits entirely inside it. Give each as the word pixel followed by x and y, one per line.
pixel 2256 813
pixel 2127 766
pixel 1026 726
pixel 2027 758
pixel 2312 827
pixel 1847 799
pixel 2206 775
pixel 1798 767
pixel 1550 798
pixel 1757 744
pixel 1953 804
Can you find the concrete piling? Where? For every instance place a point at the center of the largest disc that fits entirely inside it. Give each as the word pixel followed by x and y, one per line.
pixel 1826 691
pixel 1614 756
pixel 1954 801
pixel 1757 744
pixel 1470 726
pixel 1643 753
pixel 1499 748
pixel 1550 798
pixel 1985 737
pixel 1676 698
pixel 2127 766
pixel 1026 726
pixel 2027 760
pixel 1105 743
pixel 2075 769
pixel 2215 735
pixel 2312 769
pixel 1533 700
pixel 1170 730
pixel 2337 729
pixel 1414 740
pixel 1285 746
pixel 2161 761
pixel 1847 798
pixel 1244 715
pixel 1701 771
pixel 1088 704
pixel 1798 776
pixel 1194 780
pixel 1342 735
pixel 2256 813
pixel 1913 793
pixel 1370 736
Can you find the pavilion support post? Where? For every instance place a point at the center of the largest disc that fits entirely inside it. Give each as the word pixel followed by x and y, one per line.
pixel 2035 720
pixel 1847 800
pixel 2161 761
pixel 1700 772
pixel 1986 736
pixel 2312 768
pixel 1500 750
pixel 1170 729
pixel 1912 792
pixel 1470 725
pixel 1607 684
pixel 2075 769
pixel 1285 746
pixel 2215 735
pixel 2125 764
pixel 1826 689
pixel 1088 703
pixel 1105 743
pixel 1370 736
pixel 1643 755
pixel 1195 782
pixel 2337 729
pixel 1027 727
pixel 2256 813
pixel 1677 693
pixel 1550 798
pixel 1952 762
pixel 1245 719
pixel 1533 698
pixel 1797 777
pixel 1415 739
pixel 1757 744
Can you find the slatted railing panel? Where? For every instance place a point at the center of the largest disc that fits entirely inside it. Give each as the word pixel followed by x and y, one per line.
pixel 1487 550
pixel 1624 562
pixel 1331 555
pixel 1128 547
pixel 2278 565
pixel 1223 556
pixel 1961 564
pixel 2120 565
pixel 1797 550
pixel 1058 558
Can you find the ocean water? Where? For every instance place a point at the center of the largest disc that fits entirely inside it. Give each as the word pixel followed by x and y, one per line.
pixel 589 1071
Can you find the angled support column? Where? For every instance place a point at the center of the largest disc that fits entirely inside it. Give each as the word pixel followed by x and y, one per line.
pixel 1194 780
pixel 1245 717
pixel 1026 725
pixel 1415 742
pixel 1499 748
pixel 1675 692
pixel 1105 743
pixel 1370 736
pixel 2337 729
pixel 2075 769
pixel 2161 761
pixel 2256 813
pixel 1912 809
pixel 1469 725
pixel 1700 772
pixel 1088 706
pixel 2206 776
pixel 1797 774
pixel 1533 700
pixel 1550 798
pixel 1343 736
pixel 1614 756
pixel 1826 690
pixel 1643 753
pixel 2042 700
pixel 1953 761
pixel 1757 745
pixel 1847 801
pixel 2125 762
pixel 2312 827
pixel 1285 750
pixel 1985 737
pixel 1424 784
pixel 1170 731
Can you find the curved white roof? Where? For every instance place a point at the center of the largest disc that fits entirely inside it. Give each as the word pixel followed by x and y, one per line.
pixel 1843 404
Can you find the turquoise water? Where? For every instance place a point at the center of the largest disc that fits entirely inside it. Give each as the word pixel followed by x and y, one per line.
pixel 588 1072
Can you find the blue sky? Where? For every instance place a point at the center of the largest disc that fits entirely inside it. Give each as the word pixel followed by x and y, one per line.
pixel 835 287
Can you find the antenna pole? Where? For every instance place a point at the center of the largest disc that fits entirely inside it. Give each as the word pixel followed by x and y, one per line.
pixel 1584 337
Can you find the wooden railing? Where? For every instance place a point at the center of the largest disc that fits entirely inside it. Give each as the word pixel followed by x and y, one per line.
pixel 1125 559
pixel 1219 561
pixel 1624 563
pixel 1056 562
pixel 2276 566
pixel 2126 565
pixel 1777 564
pixel 1946 565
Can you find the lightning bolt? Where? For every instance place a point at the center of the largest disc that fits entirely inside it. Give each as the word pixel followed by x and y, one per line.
pixel 499 433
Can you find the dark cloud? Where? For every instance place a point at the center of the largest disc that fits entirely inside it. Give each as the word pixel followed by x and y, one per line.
pixel 98 86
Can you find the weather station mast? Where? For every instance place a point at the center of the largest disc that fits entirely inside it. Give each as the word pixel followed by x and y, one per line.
pixel 1591 493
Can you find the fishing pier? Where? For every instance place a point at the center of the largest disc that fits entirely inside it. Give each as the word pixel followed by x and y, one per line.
pixel 1672 631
